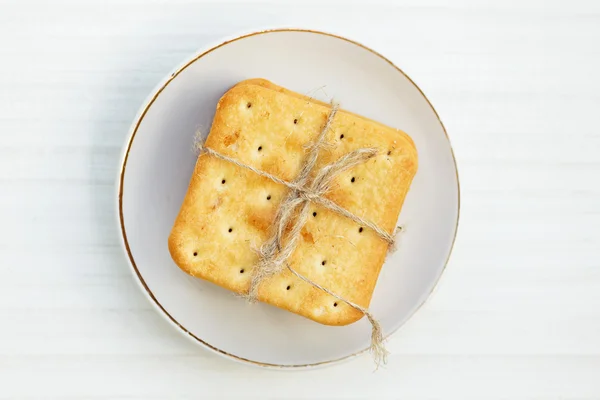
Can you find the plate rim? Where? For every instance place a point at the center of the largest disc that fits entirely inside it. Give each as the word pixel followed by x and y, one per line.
pixel 154 94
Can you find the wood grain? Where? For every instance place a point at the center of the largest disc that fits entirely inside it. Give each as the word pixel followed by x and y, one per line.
pixel 517 313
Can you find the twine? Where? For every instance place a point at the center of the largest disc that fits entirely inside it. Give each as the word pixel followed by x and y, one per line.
pixel 273 255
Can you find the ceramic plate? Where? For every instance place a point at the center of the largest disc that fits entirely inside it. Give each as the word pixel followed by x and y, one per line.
pixel 158 161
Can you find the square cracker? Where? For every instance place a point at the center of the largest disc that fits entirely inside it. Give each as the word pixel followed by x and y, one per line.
pixel 228 211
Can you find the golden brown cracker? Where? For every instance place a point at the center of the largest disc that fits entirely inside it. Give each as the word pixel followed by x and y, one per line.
pixel 228 211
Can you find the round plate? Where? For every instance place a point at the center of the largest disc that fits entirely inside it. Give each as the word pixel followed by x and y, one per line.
pixel 158 161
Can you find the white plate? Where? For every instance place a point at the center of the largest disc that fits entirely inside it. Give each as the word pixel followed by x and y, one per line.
pixel 158 161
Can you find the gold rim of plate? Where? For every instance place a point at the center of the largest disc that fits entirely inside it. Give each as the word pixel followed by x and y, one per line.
pixel 121 179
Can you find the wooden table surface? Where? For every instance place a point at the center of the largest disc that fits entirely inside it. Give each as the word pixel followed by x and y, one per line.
pixel 517 312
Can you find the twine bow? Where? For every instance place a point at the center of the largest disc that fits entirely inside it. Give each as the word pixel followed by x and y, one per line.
pixel 273 255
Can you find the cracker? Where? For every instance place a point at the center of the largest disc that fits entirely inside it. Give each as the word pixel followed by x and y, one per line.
pixel 228 211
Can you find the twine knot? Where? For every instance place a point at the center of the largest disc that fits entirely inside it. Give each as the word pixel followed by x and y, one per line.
pixel 308 195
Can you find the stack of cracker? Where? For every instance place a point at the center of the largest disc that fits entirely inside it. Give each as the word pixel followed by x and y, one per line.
pixel 228 211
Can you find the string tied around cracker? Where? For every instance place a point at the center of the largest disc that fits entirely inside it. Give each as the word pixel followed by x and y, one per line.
pixel 273 254
pixel 307 195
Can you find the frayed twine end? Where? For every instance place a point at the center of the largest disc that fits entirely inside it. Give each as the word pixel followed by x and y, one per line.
pixel 377 348
pixel 198 143
pixel 394 245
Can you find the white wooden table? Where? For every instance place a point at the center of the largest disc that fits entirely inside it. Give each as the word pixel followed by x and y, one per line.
pixel 517 313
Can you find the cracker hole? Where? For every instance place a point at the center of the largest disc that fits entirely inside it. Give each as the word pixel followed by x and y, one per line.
pixel 335 304
pixel 249 105
pixel 223 182
pixel 242 271
pixel 230 230
pixel 342 136
pixel 323 262
pixel 314 214
pixel 389 152
pixel 288 287
pixel 353 179
pixel 360 229
pixel 195 253
pixel 296 121
pixel 269 197
pixel 259 148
